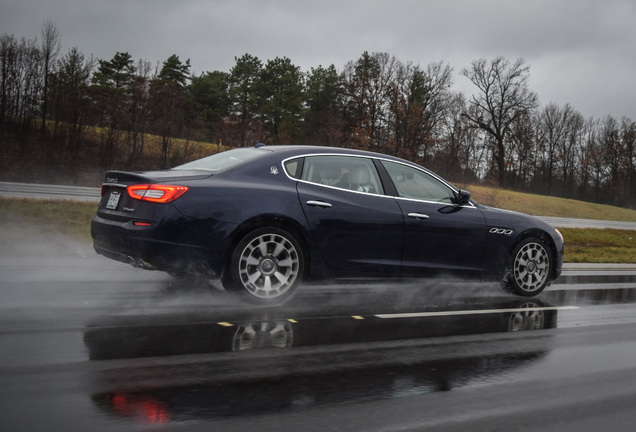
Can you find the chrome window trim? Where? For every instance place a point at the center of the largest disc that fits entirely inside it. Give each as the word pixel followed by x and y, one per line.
pixel 425 171
pixel 441 204
pixel 345 190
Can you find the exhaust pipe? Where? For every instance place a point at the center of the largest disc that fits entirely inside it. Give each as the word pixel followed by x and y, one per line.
pixel 139 263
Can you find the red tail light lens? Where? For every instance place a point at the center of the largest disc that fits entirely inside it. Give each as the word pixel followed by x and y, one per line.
pixel 157 193
pixel 142 224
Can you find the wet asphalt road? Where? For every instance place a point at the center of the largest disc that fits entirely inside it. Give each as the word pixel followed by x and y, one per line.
pixel 89 344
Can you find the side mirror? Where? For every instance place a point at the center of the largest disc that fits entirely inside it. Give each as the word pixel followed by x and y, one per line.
pixel 463 197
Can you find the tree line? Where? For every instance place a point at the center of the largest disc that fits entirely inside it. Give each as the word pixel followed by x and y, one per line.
pixel 501 134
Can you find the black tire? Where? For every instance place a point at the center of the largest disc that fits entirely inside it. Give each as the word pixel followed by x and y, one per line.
pixel 266 266
pixel 530 268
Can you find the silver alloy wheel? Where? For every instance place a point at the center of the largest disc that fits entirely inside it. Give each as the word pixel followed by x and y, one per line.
pixel 531 267
pixel 268 266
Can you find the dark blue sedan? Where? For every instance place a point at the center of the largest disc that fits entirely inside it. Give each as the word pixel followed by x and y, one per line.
pixel 264 219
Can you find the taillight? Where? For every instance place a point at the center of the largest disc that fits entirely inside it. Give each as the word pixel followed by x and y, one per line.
pixel 141 224
pixel 157 193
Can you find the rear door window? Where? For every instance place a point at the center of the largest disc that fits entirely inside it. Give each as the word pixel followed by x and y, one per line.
pixel 294 167
pixel 343 172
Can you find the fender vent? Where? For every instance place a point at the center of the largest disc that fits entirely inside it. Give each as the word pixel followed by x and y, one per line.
pixel 503 231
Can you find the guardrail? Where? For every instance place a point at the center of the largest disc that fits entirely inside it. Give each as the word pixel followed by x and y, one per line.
pixel 588 223
pixel 43 191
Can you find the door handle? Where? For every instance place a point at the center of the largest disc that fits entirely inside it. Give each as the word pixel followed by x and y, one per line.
pixel 318 204
pixel 418 216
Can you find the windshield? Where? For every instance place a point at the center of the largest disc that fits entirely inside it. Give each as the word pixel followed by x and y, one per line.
pixel 221 161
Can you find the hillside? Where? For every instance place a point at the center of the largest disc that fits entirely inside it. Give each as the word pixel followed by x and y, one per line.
pixel 539 205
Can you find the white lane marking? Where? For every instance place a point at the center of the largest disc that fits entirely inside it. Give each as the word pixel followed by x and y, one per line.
pixel 472 312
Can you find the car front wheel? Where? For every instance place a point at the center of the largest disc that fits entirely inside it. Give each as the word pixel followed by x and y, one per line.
pixel 266 266
pixel 530 268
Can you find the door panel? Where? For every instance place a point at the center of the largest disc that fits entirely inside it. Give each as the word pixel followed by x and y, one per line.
pixel 440 238
pixel 439 235
pixel 354 231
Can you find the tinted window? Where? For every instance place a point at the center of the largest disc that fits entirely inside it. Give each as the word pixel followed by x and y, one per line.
pixel 222 161
pixel 416 184
pixel 351 173
pixel 293 168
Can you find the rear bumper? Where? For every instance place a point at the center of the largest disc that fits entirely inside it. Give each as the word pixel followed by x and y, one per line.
pixel 175 249
pixel 117 256
pixel 171 258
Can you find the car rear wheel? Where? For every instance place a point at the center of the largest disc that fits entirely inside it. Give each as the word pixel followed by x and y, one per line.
pixel 266 266
pixel 530 268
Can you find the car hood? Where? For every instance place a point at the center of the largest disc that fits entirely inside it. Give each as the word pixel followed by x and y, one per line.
pixel 496 216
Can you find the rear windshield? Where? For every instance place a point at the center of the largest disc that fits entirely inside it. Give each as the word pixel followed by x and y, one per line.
pixel 221 161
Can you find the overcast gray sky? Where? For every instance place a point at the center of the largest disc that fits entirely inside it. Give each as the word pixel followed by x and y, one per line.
pixel 581 52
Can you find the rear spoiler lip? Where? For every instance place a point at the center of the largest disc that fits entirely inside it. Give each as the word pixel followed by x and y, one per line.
pixel 125 178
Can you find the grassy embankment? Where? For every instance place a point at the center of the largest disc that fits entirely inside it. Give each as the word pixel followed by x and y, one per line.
pixel 582 245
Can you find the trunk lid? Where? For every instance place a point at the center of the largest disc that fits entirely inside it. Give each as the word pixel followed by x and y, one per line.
pixel 116 203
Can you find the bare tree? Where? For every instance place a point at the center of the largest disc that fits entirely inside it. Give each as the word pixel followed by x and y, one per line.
pixel 521 156
pixel 503 97
pixel 550 132
pixel 8 47
pixel 19 80
pixel 610 141
pixel 628 128
pixel 559 133
pixel 50 48
pixel 574 129
pixel 453 135
pixel 590 165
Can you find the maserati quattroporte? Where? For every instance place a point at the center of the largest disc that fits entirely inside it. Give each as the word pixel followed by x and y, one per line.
pixel 264 219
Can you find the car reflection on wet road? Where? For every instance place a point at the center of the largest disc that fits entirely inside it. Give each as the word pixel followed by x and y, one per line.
pixel 119 336
pixel 123 349
pixel 350 358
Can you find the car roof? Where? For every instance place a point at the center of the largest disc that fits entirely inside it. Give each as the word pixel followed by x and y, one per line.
pixel 298 150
